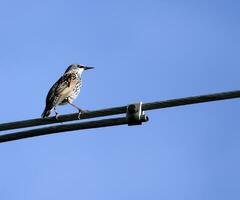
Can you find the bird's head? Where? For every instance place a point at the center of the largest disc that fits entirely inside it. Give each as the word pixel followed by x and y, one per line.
pixel 76 68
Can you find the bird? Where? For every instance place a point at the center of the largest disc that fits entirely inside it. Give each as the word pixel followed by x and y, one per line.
pixel 65 90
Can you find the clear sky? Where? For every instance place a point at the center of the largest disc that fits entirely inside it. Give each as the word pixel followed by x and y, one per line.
pixel 145 50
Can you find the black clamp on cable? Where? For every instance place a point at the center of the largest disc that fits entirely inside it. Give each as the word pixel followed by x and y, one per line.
pixel 135 114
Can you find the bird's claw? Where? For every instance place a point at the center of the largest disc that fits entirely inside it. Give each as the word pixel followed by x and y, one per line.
pixel 57 116
pixel 79 114
pixel 82 112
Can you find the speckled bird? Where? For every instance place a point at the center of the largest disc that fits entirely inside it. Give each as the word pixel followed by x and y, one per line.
pixel 65 90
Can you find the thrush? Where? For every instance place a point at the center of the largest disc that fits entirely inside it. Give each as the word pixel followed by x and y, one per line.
pixel 65 90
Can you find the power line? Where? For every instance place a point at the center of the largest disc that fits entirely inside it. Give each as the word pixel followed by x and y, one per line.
pixel 104 112
pixel 121 110
pixel 67 127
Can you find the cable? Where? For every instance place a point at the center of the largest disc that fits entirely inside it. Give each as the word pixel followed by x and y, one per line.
pixel 68 127
pixel 121 110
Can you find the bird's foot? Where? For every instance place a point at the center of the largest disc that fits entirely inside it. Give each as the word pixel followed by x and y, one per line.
pixel 79 115
pixel 81 112
pixel 57 116
pixel 56 113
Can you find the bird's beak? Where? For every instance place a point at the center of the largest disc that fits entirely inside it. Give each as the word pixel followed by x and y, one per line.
pixel 87 68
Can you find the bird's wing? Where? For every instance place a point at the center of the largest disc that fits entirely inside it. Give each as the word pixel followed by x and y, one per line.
pixel 64 83
pixel 61 88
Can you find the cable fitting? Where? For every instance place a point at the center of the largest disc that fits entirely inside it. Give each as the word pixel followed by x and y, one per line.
pixel 135 114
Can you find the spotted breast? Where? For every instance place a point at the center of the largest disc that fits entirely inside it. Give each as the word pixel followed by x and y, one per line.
pixel 70 93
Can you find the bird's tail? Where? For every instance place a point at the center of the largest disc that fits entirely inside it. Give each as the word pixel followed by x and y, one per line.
pixel 46 112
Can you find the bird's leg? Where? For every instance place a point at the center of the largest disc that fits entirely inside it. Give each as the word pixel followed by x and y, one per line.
pixel 56 113
pixel 80 111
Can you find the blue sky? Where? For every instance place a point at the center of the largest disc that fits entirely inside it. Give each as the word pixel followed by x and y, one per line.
pixel 143 51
